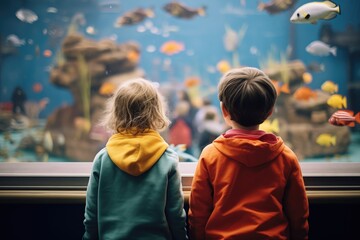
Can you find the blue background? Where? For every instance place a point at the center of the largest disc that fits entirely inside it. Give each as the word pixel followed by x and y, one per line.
pixel 202 37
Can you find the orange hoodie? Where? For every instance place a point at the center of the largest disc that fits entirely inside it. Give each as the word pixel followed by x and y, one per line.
pixel 248 188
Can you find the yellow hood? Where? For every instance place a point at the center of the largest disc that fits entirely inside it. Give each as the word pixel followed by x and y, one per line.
pixel 136 154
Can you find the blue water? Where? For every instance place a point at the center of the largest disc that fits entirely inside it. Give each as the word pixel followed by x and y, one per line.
pixel 202 37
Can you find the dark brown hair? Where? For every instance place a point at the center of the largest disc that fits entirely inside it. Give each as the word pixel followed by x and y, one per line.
pixel 248 95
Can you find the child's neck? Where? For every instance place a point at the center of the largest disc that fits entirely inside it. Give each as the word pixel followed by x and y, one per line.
pixel 235 125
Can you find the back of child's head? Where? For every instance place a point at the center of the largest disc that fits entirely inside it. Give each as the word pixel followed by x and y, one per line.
pixel 248 95
pixel 135 107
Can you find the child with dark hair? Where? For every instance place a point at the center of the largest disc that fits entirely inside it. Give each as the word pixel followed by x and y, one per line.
pixel 248 184
pixel 134 191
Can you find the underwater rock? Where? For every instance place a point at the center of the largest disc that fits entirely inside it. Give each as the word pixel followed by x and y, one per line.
pixel 5 120
pixel 72 40
pixel 350 38
pixel 303 139
pixel 287 72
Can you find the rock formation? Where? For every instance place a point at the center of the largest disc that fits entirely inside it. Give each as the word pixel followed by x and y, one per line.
pixel 91 71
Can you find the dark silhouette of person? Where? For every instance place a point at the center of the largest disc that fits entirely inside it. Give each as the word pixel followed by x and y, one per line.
pixel 18 99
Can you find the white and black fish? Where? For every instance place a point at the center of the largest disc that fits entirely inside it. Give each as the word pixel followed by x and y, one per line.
pixel 313 11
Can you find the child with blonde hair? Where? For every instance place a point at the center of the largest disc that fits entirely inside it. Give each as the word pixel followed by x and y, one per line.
pixel 134 190
pixel 248 183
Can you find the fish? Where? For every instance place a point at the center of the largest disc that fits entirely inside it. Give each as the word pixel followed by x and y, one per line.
pixel 14 40
pixel 223 66
pixel 313 11
pixel 330 87
pixel 52 10
pixel 26 15
pixel 37 87
pixel 172 47
pixel 179 10
pixel 47 53
pixel 133 56
pixel 344 118
pixel 192 81
pixel 304 94
pixel 91 30
pixel 270 126
pixel 107 88
pixel 337 101
pixel 319 48
pixel 326 140
pixel 315 67
pixel 281 88
pixel 232 38
pixel 307 77
pixel 276 6
pixel 133 17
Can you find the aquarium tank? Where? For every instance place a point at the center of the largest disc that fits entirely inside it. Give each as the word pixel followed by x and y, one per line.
pixel 61 60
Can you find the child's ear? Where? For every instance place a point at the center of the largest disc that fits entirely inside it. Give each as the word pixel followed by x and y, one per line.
pixel 269 114
pixel 224 110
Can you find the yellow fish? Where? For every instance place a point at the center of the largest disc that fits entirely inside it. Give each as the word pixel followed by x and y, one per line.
pixel 337 101
pixel 172 47
pixel 330 87
pixel 307 77
pixel 270 126
pixel 326 140
pixel 223 66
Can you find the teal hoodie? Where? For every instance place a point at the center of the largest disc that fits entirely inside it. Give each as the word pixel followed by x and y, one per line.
pixel 134 191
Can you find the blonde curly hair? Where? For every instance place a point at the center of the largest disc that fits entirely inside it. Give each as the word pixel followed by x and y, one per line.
pixel 136 106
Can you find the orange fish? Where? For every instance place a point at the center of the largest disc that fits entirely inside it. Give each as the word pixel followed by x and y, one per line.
pixel 133 56
pixel 172 47
pixel 283 88
pixel 37 87
pixel 344 118
pixel 304 94
pixel 47 53
pixel 192 81
pixel 107 88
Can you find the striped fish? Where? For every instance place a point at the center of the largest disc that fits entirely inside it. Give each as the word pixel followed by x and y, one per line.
pixel 344 118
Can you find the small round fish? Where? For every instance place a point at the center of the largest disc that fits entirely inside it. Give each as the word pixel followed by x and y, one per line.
pixel 326 140
pixel 337 101
pixel 330 87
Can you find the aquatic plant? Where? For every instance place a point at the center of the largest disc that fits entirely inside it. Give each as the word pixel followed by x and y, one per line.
pixel 84 85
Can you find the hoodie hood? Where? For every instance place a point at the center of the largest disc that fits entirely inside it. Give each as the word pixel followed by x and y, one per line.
pixel 250 149
pixel 135 154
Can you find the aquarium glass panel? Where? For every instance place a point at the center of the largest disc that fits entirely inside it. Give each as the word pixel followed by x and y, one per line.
pixel 60 61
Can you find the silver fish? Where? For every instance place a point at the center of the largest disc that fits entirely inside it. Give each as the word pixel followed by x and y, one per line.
pixel 319 48
pixel 14 40
pixel 26 15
